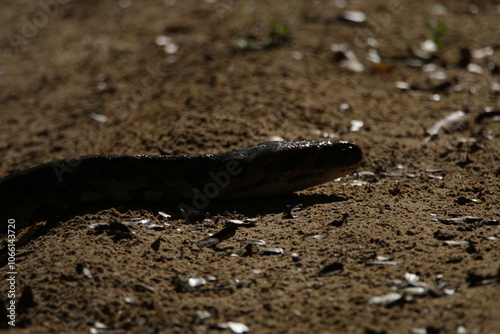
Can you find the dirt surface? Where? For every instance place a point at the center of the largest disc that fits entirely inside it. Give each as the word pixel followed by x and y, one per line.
pixel 67 64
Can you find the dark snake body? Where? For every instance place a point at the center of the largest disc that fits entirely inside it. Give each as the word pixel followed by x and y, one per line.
pixel 266 170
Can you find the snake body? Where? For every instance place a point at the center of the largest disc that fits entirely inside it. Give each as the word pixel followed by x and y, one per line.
pixel 265 170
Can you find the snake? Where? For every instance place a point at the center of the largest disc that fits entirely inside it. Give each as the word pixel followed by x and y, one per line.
pixel 192 182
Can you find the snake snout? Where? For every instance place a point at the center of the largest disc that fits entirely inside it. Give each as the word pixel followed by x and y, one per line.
pixel 353 153
pixel 340 155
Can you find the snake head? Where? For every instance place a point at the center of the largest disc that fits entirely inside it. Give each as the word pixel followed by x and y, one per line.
pixel 337 159
pixel 277 168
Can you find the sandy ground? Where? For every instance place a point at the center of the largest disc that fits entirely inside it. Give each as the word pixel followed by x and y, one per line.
pixel 88 77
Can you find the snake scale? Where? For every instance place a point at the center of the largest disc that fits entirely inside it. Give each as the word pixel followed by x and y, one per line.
pixel 191 181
